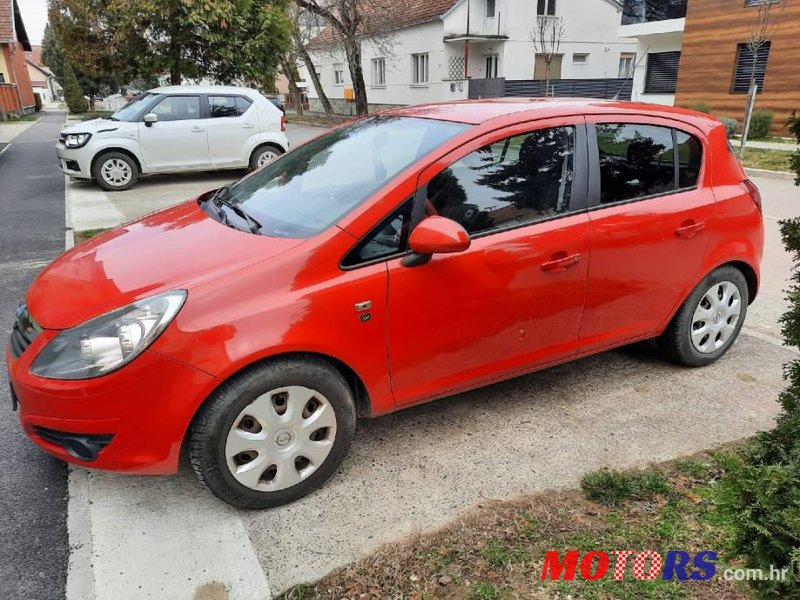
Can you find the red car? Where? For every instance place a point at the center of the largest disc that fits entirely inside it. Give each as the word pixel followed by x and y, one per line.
pixel 398 259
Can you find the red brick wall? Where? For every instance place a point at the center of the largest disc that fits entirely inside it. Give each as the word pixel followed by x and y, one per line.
pixel 23 80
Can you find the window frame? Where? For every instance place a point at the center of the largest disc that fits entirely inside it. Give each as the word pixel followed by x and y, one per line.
pixel 627 58
pixel 740 49
pixel 548 8
pixel 492 61
pixel 202 108
pixel 415 68
pixel 583 62
pixel 647 83
pixel 234 96
pixel 594 195
pixel 378 67
pixel 336 79
pixel 493 13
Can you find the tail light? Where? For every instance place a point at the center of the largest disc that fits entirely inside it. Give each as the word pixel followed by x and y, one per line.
pixel 283 122
pixel 751 188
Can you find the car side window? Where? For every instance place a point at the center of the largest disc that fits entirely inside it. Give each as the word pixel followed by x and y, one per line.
pixel 388 238
pixel 227 106
pixel 515 181
pixel 635 161
pixel 178 108
pixel 690 158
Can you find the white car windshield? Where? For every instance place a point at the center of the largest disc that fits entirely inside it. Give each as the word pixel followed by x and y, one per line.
pixel 132 109
pixel 307 190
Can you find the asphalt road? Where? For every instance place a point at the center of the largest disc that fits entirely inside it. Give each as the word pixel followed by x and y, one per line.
pixel 33 490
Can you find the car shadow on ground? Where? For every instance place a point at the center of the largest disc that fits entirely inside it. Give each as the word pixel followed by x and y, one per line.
pixel 170 179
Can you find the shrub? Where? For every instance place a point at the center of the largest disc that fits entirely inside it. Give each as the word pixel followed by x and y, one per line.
pixel 731 125
pixel 761 492
pixel 37 99
pixel 760 124
pixel 73 95
pixel 701 107
pixel 794 127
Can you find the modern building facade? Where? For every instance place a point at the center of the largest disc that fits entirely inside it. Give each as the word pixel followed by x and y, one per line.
pixel 716 64
pixel 438 46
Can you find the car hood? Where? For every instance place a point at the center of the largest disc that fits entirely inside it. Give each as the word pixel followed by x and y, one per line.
pixel 93 126
pixel 177 248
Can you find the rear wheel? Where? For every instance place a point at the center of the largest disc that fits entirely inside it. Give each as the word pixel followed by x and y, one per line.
pixel 710 319
pixel 274 433
pixel 263 155
pixel 115 171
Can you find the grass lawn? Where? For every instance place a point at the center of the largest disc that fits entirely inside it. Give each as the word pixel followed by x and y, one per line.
pixel 317 119
pixel 82 236
pixel 772 160
pixel 497 552
pixel 31 117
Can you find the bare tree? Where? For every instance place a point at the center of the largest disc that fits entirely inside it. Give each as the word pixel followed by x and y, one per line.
pixel 760 31
pixel 546 38
pixel 305 27
pixel 351 21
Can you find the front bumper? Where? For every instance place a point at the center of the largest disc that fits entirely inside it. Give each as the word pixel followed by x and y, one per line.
pixel 139 414
pixel 74 162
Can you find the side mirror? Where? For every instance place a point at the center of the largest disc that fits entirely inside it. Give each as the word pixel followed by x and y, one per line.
pixel 435 235
pixel 149 119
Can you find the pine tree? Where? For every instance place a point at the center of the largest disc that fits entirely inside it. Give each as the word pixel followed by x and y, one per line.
pixel 73 94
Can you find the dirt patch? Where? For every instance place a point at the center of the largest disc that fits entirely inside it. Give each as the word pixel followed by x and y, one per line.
pixel 211 591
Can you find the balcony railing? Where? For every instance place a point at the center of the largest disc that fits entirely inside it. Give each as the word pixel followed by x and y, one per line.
pixel 647 11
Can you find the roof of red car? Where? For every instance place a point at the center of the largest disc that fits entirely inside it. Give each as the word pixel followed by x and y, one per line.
pixel 476 112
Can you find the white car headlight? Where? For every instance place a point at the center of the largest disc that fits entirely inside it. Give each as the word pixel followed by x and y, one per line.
pixel 108 342
pixel 77 140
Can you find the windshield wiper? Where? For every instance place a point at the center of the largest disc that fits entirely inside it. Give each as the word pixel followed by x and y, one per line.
pixel 222 196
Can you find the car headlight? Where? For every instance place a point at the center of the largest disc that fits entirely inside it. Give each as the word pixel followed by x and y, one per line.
pixel 77 140
pixel 108 342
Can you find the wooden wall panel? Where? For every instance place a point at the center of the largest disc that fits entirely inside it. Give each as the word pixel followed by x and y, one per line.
pixel 714 29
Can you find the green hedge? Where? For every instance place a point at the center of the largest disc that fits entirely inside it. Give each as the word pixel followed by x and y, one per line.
pixel 760 124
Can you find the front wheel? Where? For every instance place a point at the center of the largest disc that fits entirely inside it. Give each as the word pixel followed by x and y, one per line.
pixel 263 155
pixel 709 321
pixel 115 171
pixel 274 433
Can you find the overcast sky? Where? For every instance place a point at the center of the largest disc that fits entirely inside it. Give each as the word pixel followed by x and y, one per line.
pixel 34 14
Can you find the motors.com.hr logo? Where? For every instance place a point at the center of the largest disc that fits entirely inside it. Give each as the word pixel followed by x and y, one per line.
pixel 648 565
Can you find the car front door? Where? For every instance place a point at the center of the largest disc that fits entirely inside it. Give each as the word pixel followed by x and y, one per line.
pixel 651 215
pixel 178 140
pixel 231 123
pixel 514 299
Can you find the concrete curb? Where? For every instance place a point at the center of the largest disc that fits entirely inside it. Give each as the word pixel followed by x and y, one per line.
pixel 779 175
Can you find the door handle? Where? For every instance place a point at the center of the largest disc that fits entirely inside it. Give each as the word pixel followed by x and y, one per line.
pixel 248 126
pixel 198 129
pixel 689 229
pixel 560 262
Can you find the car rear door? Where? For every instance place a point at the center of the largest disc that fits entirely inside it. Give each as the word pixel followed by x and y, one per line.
pixel 178 141
pixel 232 121
pixel 651 211
pixel 514 299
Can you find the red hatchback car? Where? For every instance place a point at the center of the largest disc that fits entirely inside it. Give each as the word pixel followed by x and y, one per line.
pixel 398 259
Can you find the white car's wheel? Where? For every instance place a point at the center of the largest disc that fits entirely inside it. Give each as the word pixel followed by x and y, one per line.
pixel 263 155
pixel 115 171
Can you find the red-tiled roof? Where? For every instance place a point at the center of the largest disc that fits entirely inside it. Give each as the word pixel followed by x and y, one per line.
pixel 402 14
pixel 35 55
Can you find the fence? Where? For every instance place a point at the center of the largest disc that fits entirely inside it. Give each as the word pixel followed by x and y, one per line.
pixel 572 88
pixel 9 100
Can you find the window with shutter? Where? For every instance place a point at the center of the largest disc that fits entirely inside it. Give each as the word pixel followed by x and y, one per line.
pixel 744 68
pixel 662 72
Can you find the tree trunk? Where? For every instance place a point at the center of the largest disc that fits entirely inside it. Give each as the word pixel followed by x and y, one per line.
pixel 352 48
pixel 312 73
pixel 748 110
pixel 175 75
pixel 293 89
pixel 547 79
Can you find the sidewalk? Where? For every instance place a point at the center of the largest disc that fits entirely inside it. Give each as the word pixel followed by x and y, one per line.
pixel 9 130
pixel 765 145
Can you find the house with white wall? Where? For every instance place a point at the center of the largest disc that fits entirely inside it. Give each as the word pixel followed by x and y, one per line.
pixel 438 46
pixel 657 27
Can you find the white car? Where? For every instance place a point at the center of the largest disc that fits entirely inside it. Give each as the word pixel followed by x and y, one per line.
pixel 175 129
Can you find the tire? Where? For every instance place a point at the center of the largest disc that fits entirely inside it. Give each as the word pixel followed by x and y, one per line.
pixel 693 341
pixel 266 151
pixel 115 171
pixel 240 424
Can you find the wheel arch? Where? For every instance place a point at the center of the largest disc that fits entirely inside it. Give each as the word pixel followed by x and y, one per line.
pixel 119 149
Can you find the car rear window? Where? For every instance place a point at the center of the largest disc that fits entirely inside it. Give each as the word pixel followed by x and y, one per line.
pixel 307 190
pixel 638 161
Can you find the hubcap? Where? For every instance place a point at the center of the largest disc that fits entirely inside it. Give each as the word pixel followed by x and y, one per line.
pixel 116 172
pixel 716 317
pixel 280 438
pixel 267 156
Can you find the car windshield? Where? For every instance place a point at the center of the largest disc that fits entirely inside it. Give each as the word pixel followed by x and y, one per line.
pixel 307 190
pixel 131 110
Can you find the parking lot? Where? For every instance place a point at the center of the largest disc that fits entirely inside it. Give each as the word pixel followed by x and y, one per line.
pixel 418 469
